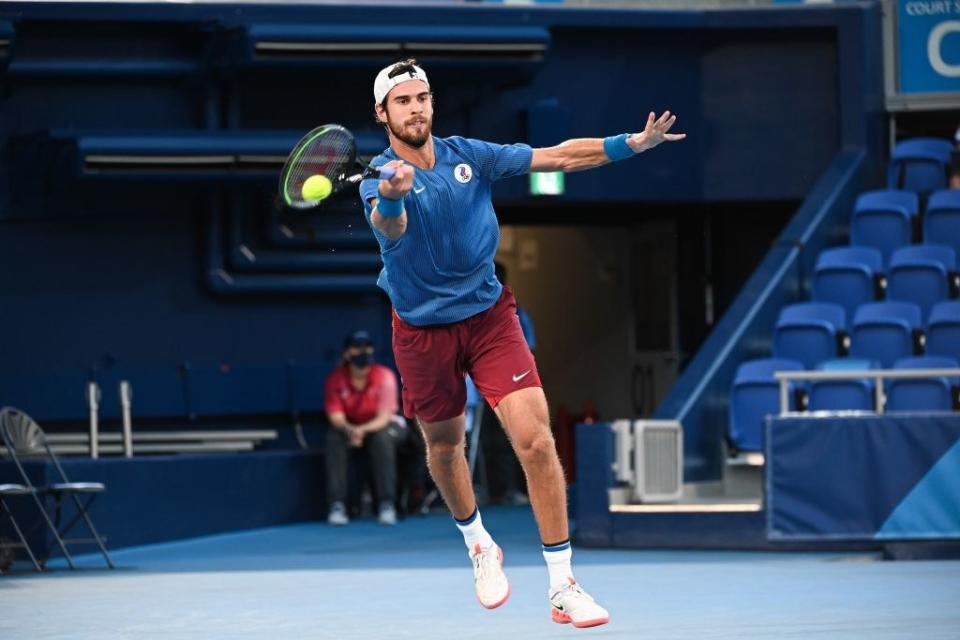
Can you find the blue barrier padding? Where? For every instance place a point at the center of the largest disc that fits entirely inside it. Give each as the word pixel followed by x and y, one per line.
pixel 932 508
pixel 689 531
pixel 159 498
pixel 594 445
pixel 841 477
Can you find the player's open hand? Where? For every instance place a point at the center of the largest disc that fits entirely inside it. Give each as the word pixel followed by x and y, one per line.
pixel 655 132
pixel 401 182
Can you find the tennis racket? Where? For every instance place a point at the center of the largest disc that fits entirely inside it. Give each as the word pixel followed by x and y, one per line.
pixel 329 151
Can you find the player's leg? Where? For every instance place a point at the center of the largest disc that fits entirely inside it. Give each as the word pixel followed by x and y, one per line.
pixel 434 389
pixel 504 476
pixel 505 373
pixel 524 416
pixel 504 370
pixel 447 463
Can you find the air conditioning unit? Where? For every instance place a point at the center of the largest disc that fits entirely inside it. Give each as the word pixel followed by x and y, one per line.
pixel 623 451
pixel 648 460
pixel 657 460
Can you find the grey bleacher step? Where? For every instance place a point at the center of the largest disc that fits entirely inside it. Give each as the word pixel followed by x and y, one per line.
pixel 166 447
pixel 743 475
pixel 698 497
pixel 164 436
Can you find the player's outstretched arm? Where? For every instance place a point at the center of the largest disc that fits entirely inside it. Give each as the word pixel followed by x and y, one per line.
pixel 388 216
pixel 586 153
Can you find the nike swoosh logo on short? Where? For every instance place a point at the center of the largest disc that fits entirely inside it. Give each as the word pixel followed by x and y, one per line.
pixel 420 190
pixel 518 378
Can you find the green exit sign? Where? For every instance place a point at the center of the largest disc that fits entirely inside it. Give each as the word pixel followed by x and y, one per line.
pixel 546 183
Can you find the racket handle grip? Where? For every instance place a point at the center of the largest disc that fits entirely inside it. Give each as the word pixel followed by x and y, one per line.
pixel 386 173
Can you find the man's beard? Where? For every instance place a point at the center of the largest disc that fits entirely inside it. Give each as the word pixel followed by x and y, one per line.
pixel 411 138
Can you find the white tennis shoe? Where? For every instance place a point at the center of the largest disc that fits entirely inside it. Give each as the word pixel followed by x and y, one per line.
pixel 387 515
pixel 574 605
pixel 490 581
pixel 338 515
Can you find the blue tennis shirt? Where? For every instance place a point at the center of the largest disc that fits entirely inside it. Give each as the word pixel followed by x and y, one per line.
pixel 441 269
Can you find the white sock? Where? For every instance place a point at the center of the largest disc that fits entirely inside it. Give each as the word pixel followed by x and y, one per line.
pixel 473 531
pixel 558 564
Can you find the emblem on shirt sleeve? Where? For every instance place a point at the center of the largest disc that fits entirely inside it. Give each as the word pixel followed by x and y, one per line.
pixel 463 173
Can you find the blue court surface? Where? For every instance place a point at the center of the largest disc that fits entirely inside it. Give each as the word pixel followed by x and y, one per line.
pixel 415 581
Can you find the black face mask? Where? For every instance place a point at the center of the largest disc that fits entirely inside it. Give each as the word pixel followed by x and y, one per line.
pixel 361 360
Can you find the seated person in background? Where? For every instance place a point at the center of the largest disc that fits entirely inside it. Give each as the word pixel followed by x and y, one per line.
pixel 361 405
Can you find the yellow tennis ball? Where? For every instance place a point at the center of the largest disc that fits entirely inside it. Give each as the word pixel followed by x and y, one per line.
pixel 316 187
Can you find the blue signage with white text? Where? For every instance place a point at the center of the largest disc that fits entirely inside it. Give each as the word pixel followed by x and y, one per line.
pixel 929 46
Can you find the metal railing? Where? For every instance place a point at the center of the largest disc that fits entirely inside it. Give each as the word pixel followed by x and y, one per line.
pixel 878 375
pixel 96 442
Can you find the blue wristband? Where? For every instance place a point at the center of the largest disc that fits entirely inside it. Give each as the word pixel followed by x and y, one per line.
pixel 616 147
pixel 390 208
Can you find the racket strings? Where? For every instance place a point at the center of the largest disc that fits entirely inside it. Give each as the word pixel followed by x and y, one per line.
pixel 330 153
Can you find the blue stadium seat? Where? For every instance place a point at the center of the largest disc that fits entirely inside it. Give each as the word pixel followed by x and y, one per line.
pixel 884 220
pixel 844 395
pixel 848 364
pixel 941 222
pixel 755 394
pixel 807 332
pixel 929 394
pixel 921 274
pixel 884 331
pixel 921 165
pixel 845 276
pixel 943 330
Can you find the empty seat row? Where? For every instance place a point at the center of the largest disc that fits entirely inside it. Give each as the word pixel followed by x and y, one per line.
pixel 910 394
pixel 881 263
pixel 813 332
pixel 755 393
pixel 851 276
pixel 887 219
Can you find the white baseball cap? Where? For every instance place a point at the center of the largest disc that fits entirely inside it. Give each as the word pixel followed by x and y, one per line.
pixel 384 83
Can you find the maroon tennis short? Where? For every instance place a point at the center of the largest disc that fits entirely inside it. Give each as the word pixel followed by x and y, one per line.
pixel 433 360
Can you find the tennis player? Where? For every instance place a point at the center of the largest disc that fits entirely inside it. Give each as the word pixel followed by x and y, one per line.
pixel 438 234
